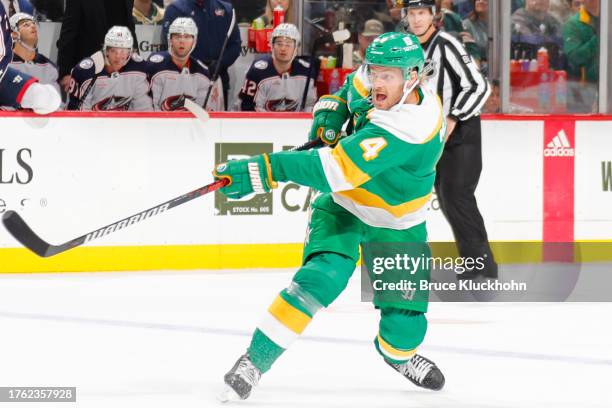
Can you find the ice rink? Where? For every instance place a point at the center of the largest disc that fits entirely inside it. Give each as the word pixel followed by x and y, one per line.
pixel 165 339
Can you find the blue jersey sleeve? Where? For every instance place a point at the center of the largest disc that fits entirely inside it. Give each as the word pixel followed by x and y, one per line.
pixel 6 43
pixel 81 79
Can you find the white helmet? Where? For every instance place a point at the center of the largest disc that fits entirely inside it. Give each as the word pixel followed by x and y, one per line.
pixel 286 30
pixel 118 37
pixel 14 24
pixel 183 25
pixel 17 18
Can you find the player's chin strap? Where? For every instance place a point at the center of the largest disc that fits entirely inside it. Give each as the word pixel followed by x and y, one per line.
pixel 24 45
pixel 428 70
pixel 408 88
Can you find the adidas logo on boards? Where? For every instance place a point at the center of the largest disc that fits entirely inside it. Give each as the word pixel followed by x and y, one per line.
pixel 559 146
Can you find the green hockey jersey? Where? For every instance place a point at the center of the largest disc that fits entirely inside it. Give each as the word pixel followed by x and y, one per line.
pixel 383 173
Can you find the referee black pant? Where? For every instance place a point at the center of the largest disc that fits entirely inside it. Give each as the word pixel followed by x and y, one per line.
pixel 458 172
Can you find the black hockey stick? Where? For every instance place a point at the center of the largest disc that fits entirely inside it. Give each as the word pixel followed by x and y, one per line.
pixel 22 232
pixel 98 60
pixel 218 64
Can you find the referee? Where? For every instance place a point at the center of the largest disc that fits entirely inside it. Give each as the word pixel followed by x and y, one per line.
pixel 463 91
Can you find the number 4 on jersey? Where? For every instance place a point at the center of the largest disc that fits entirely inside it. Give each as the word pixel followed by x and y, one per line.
pixel 372 147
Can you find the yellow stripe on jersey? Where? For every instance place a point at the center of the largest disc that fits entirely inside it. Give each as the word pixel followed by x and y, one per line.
pixel 394 353
pixel 351 172
pixel 438 125
pixel 360 87
pixel 365 198
pixel 339 99
pixel 294 319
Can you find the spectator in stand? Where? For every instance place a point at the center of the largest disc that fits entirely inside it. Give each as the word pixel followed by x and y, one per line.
pixel 533 27
pixel 477 25
pixel 517 4
pixel 275 83
pixel 213 18
pixel 84 27
pixel 562 10
pixel 463 7
pixel 176 76
pixel 581 45
pixel 122 85
pixel 447 19
pixel 147 12
pixel 268 15
pixel 575 5
pixel 396 14
pixel 13 7
pixel 25 57
pixel 371 29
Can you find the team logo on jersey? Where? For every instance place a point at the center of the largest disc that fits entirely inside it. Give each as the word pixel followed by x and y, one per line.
pixel 281 105
pixel 175 103
pixel 466 59
pixel 156 58
pixel 219 12
pixel 261 64
pixel 221 168
pixel 86 63
pixel 113 103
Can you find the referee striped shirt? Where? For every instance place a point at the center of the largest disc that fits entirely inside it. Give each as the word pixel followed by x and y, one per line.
pixel 456 78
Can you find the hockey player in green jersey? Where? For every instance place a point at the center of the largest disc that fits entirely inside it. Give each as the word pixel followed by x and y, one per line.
pixel 374 184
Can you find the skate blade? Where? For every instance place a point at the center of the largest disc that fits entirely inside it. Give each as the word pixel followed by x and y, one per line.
pixel 227 395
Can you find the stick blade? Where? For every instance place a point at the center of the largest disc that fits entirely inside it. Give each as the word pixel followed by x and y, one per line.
pixel 341 36
pixel 23 233
pixel 196 110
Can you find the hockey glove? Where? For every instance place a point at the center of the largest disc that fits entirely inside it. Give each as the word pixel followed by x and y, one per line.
pixel 329 114
pixel 247 176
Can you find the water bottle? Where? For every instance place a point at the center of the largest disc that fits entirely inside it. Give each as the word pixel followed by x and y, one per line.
pixel 543 62
pixel 279 15
pixel 561 91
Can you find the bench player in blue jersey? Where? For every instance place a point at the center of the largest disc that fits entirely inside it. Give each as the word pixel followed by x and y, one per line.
pixel 18 89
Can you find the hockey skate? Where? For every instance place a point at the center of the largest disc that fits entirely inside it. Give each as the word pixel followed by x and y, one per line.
pixel 240 380
pixel 421 371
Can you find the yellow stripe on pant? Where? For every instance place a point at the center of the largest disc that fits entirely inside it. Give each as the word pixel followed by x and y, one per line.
pixel 393 353
pixel 283 323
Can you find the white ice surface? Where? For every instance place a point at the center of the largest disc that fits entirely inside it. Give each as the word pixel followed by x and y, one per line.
pixel 165 339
